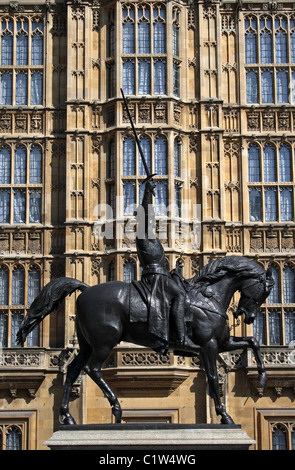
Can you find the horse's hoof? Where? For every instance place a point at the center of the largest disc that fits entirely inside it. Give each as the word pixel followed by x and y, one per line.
pixel 226 419
pixel 67 420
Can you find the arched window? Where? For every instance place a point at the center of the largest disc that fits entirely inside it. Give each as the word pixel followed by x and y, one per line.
pixel 267 86
pixel 285 163
pixel 177 158
pixel 128 31
pixel 128 156
pixel 20 165
pixel 274 296
pixel 161 156
pixel 159 30
pixel 289 284
pixel 13 438
pixel 33 284
pixel 253 164
pixel 35 165
pixel 5 159
pixel 18 286
pixel 37 43
pixel 269 164
pixel 279 438
pixel 22 43
pixel 271 204
pixel 129 271
pixel 144 46
pixel 7 42
pixel 3 286
pixel 145 144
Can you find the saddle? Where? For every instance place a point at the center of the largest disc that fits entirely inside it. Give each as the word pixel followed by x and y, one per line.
pixel 139 299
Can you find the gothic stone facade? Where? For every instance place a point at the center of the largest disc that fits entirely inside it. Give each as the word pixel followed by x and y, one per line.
pixel 211 90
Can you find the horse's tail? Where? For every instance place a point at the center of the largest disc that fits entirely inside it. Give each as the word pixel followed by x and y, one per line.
pixel 48 300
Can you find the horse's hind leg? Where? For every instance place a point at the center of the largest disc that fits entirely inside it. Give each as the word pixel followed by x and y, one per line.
pixel 93 369
pixel 73 372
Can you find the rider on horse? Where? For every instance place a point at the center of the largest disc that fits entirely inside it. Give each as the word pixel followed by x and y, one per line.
pixel 165 297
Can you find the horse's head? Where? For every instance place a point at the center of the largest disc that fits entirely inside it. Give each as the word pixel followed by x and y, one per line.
pixel 254 291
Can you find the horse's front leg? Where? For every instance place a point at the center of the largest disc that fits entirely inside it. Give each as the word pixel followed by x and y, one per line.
pixel 235 342
pixel 209 355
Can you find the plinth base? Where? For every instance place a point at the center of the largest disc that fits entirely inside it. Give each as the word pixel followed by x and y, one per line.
pixel 149 436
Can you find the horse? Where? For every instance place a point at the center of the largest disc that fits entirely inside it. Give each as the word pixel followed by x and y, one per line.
pixel 103 321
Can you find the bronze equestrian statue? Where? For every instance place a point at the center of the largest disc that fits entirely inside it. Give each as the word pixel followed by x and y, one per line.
pixel 103 321
pixel 151 313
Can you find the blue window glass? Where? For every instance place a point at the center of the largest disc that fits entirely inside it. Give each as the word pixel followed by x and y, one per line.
pixel 274 327
pixel 259 328
pixel 13 436
pixel 145 144
pixel 293 86
pixel 176 80
pixel 34 284
pixel 5 158
pixel 144 46
pixel 269 164
pixel 35 207
pixel 4 206
pixel 3 335
pixel 271 204
pixel 288 284
pixel 129 77
pixel 285 163
pixel 159 77
pixel 6 88
pixel 18 287
pixel 251 48
pixel 20 165
pixel 286 204
pixel 19 207
pixel 22 49
pixel 282 87
pixel 292 40
pixel 252 87
pixel 175 45
pixel 289 326
pixel 253 164
pixel 3 286
pixel 161 199
pixel 177 193
pixel 35 165
pixel 129 271
pixel 37 49
pixel 281 47
pixel 159 34
pixel 128 37
pixel 21 90
pixel 128 156
pixel 129 198
pixel 265 48
pixel 161 156
pixel 255 204
pixel 36 88
pixel 274 296
pixel 6 49
pixel 267 87
pixel 144 77
pixel 177 158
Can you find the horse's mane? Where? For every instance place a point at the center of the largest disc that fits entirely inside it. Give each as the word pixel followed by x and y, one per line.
pixel 238 265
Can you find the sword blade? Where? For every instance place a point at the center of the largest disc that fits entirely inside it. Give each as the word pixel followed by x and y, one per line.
pixel 136 137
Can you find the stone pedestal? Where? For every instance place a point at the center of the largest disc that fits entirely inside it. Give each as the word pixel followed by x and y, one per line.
pixel 160 437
